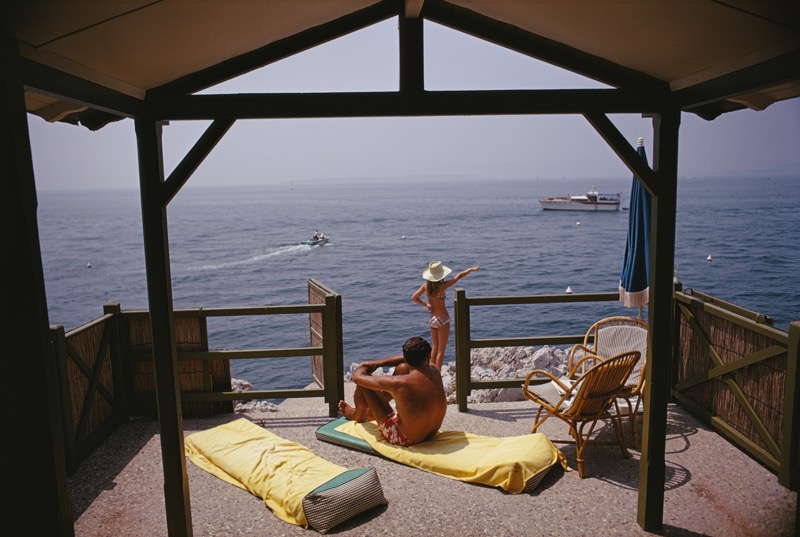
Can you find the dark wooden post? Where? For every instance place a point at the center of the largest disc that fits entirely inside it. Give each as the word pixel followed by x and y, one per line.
pixel 412 67
pixel 463 365
pixel 659 349
pixel 165 358
pixel 789 473
pixel 117 366
pixel 333 369
pixel 34 470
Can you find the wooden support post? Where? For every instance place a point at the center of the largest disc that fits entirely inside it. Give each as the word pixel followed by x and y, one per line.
pixel 659 348
pixel 34 471
pixel 463 374
pixel 412 65
pixel 118 372
pixel 165 358
pixel 789 473
pixel 333 368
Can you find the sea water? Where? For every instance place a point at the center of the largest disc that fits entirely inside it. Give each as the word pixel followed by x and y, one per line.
pixel 239 246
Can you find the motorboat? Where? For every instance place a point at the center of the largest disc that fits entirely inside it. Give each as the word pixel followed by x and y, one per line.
pixel 317 240
pixel 591 201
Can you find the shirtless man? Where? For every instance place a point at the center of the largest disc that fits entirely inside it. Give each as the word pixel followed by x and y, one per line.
pixel 415 386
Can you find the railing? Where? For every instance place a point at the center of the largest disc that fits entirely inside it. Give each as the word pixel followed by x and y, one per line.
pixel 732 368
pixel 465 343
pixel 740 375
pixel 106 366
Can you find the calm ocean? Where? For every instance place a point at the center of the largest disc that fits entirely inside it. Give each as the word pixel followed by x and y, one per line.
pixel 239 247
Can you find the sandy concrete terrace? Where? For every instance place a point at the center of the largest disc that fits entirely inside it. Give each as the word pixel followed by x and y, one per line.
pixel 712 488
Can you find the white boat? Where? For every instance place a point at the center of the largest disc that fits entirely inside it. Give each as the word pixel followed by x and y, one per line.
pixel 591 201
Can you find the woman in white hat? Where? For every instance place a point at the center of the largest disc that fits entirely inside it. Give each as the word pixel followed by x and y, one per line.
pixel 434 289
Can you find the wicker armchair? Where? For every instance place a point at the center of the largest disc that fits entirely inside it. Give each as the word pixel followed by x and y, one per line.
pixel 583 399
pixel 610 337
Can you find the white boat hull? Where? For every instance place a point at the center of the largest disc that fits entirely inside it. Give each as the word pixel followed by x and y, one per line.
pixel 592 201
pixel 557 204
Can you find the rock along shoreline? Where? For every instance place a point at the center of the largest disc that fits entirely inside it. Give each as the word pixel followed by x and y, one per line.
pixel 496 363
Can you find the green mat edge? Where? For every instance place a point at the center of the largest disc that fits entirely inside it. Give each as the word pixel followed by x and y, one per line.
pixel 340 479
pixel 328 433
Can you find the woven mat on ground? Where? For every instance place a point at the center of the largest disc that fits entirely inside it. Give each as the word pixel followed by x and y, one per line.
pixel 515 464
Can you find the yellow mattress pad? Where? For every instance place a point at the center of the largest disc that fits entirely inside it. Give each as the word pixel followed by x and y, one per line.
pixel 509 463
pixel 279 471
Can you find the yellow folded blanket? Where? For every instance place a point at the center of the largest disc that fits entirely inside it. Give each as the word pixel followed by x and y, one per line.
pixel 280 471
pixel 508 463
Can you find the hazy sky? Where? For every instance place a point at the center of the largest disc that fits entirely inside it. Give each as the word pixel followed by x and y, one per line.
pixel 284 151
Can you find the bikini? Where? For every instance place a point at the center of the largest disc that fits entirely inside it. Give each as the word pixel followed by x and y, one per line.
pixel 439 321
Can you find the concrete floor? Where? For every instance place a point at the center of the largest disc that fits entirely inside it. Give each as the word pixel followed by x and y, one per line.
pixel 712 488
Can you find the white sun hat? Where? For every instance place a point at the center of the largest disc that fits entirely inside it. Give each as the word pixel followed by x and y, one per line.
pixel 436 271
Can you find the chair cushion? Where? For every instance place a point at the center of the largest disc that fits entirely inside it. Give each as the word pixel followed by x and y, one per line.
pixel 616 339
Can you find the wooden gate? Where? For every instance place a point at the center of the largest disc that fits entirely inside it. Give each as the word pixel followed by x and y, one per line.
pixel 739 374
pixel 92 402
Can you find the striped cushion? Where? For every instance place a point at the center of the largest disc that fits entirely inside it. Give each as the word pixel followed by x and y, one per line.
pixel 614 340
pixel 343 497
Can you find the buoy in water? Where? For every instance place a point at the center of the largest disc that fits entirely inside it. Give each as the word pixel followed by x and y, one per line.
pixel 403 237
pixel 569 290
pixel 577 223
pixel 88 265
pixel 708 259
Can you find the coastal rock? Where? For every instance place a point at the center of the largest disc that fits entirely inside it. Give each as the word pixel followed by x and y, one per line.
pixel 501 363
pixel 239 386
pixel 497 363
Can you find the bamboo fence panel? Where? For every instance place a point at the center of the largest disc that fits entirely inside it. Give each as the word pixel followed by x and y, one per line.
pixel 762 383
pixel 193 375
pixel 316 296
pixel 87 360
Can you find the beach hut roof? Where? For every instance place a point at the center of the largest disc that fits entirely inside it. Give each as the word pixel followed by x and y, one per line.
pixel 711 56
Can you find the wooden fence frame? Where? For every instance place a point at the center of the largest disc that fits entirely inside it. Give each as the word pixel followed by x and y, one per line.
pixel 96 366
pixel 465 343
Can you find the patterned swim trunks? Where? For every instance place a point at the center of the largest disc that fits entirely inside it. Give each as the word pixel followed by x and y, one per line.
pixel 390 431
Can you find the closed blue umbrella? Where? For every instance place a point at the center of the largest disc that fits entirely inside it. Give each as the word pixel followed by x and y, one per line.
pixel 634 281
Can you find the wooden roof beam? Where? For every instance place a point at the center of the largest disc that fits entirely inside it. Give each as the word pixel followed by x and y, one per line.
pixel 397 104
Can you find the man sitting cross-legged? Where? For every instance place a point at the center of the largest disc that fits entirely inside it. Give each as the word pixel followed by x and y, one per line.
pixel 415 386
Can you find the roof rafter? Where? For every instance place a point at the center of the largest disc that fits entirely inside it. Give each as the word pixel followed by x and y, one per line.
pixel 698 97
pixel 55 83
pixel 279 50
pixel 541 48
pixel 624 150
